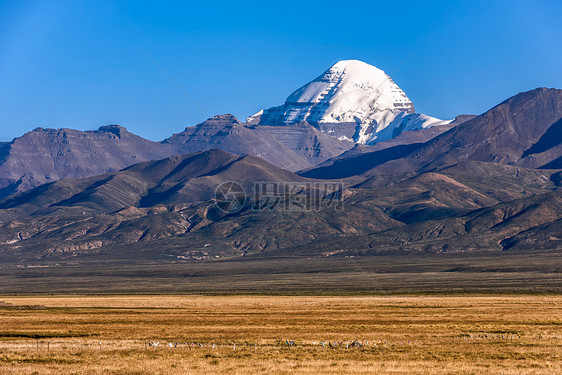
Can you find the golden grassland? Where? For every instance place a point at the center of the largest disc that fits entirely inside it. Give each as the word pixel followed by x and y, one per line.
pixel 501 334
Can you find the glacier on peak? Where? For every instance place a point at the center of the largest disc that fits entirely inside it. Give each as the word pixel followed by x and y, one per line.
pixel 354 93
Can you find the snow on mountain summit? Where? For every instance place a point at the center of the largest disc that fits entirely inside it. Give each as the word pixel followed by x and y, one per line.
pixel 352 89
pixel 354 93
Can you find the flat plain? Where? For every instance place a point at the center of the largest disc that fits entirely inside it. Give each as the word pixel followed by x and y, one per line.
pixel 234 334
pixel 446 273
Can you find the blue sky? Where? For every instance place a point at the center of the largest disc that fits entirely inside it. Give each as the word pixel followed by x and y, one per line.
pixel 83 64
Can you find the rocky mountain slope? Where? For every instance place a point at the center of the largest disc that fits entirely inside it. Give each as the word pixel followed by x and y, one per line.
pixel 166 206
pixel 45 155
pixel 520 131
pixel 410 137
pixel 512 133
pixel 163 199
pixel 293 147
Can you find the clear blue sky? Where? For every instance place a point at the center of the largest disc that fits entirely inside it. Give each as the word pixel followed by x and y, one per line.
pixel 80 64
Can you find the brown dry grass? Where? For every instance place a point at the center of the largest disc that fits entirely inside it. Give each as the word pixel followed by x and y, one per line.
pixel 413 334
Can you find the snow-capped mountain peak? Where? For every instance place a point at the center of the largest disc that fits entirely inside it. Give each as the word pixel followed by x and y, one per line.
pixel 351 88
pixel 350 92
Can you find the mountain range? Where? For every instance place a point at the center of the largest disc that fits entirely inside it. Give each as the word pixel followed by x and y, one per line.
pixel 489 182
pixel 302 142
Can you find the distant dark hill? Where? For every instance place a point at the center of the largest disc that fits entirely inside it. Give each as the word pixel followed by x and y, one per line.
pixel 522 130
pixel 46 155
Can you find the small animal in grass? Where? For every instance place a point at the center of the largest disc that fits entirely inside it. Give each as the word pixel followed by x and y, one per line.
pixel 357 344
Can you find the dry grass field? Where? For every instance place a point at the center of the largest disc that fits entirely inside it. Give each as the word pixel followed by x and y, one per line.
pixel 400 334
